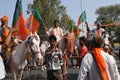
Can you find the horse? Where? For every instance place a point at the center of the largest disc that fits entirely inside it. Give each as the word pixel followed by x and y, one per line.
pixel 66 44
pixel 18 61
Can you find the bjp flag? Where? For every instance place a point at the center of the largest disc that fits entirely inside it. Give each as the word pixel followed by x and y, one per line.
pixel 33 22
pixel 82 18
pixel 18 22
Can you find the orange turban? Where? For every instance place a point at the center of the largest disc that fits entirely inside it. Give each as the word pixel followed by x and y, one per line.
pixel 4 18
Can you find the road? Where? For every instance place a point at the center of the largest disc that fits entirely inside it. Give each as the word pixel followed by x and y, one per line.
pixel 41 75
pixel 37 74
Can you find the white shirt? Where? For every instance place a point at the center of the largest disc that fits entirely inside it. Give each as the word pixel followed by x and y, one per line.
pixel 89 70
pixel 2 68
pixel 58 31
pixel 96 31
pixel 53 61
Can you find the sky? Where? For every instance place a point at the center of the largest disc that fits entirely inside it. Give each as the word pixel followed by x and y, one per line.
pixel 7 7
pixel 73 8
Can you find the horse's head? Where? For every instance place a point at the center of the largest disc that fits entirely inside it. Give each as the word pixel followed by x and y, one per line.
pixel 68 41
pixel 33 43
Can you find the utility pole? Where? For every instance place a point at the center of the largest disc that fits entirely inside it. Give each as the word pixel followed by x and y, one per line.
pixel 81 6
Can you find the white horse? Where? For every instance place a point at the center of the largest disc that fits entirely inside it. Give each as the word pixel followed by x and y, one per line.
pixel 19 56
pixel 44 46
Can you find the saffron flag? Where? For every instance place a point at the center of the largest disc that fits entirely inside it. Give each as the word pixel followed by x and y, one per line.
pixel 33 22
pixel 18 22
pixel 82 18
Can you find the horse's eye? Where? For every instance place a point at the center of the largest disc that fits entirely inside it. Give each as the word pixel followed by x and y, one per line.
pixel 29 38
pixel 29 41
pixel 30 44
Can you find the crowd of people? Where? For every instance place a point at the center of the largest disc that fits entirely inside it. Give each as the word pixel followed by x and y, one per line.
pixel 93 55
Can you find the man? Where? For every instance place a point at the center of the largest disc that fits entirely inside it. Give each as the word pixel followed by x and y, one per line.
pixel 98 31
pixel 56 30
pixel 98 65
pixel 82 52
pixel 2 46
pixel 53 60
pixel 4 29
pixel 89 36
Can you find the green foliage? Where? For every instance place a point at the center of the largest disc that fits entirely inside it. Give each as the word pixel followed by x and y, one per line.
pixel 110 12
pixel 110 15
pixel 66 22
pixel 51 10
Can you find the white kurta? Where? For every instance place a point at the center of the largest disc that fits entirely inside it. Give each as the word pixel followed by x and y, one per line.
pixel 89 70
pixel 2 69
pixel 58 31
pixel 96 31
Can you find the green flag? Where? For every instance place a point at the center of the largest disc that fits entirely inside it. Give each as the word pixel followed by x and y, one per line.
pixel 82 18
pixel 33 22
pixel 18 22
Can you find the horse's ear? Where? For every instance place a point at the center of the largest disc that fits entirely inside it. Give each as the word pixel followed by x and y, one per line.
pixel 31 34
pixel 35 33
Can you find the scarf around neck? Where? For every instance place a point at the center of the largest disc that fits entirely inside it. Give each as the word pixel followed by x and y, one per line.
pixel 100 62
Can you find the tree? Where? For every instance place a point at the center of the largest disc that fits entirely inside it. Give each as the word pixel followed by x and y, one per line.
pixel 110 12
pixel 51 10
pixel 110 15
pixel 66 22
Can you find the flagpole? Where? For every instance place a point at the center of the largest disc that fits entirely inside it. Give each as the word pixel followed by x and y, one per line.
pixel 44 24
pixel 81 5
pixel 81 10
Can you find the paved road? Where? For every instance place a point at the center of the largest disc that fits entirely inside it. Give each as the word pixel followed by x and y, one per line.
pixel 40 75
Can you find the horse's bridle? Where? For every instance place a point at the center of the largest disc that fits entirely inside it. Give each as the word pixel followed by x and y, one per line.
pixel 29 44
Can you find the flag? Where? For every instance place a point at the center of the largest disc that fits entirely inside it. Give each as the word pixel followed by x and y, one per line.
pixel 18 22
pixel 28 23
pixel 82 18
pixel 33 22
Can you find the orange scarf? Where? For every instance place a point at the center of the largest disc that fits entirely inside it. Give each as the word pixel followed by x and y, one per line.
pixel 98 32
pixel 53 32
pixel 101 63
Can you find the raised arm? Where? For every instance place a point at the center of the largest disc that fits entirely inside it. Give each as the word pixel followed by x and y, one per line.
pixel 88 29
